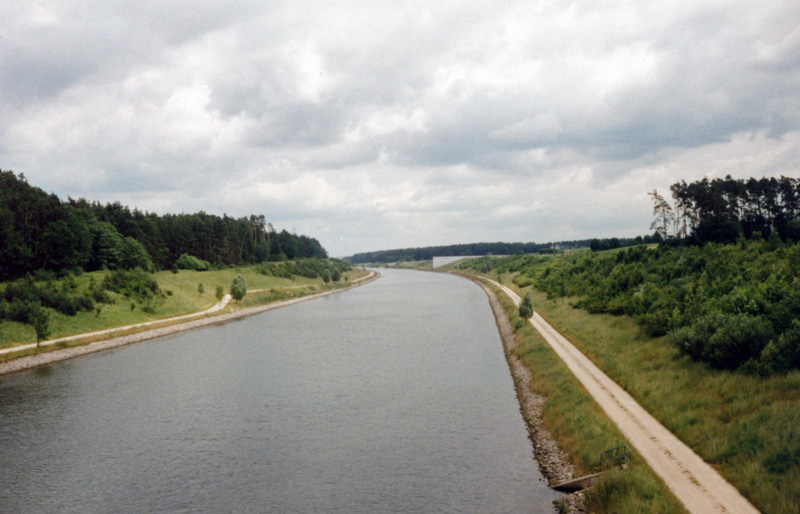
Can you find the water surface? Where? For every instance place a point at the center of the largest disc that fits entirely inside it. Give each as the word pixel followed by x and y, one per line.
pixel 393 397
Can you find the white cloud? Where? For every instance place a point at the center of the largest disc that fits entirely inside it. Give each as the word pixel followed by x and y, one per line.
pixel 394 124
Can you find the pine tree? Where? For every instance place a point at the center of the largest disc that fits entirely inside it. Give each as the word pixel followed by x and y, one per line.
pixel 526 307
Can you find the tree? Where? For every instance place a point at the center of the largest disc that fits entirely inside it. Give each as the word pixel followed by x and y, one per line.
pixel 663 213
pixel 526 307
pixel 716 229
pixel 40 320
pixel 326 276
pixel 107 246
pixel 67 243
pixel 134 255
pixel 219 293
pixel 238 288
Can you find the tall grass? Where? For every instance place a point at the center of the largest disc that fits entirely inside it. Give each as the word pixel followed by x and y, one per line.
pixel 584 431
pixel 747 426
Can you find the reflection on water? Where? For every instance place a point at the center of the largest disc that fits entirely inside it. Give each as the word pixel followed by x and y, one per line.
pixel 393 397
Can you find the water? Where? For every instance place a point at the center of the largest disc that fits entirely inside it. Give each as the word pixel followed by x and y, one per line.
pixel 393 397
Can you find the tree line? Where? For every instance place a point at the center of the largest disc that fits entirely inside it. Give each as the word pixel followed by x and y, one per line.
pixel 720 210
pixel 38 231
pixel 732 306
pixel 599 245
pixel 463 250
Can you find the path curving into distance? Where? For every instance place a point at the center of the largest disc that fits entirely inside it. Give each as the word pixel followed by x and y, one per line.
pixel 693 481
pixel 216 308
pixel 115 341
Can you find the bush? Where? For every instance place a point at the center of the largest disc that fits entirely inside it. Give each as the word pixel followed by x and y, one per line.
pixel 187 261
pixel 136 284
pixel 738 339
pixel 783 353
pixel 19 310
pixel 99 295
pixel 238 288
pixel 523 280
pixel 724 340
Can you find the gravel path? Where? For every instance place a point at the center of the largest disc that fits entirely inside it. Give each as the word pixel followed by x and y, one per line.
pixel 44 358
pixel 694 482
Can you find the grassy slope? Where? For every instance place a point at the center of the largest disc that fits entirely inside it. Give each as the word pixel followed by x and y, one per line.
pixel 584 431
pixel 746 426
pixel 184 299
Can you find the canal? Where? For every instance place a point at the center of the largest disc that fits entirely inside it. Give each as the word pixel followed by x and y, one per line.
pixel 392 397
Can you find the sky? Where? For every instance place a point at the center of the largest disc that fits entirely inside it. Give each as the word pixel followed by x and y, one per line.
pixel 399 124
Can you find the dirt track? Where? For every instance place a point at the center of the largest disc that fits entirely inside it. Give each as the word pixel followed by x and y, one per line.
pixel 694 482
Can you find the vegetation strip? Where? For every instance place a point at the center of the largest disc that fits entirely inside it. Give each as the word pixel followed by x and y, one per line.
pixel 692 480
pixel 553 463
pixel 41 359
pixel 100 333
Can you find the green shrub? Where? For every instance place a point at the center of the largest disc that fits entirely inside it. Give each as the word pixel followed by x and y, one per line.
pixel 238 288
pixel 724 340
pixel 136 284
pixel 738 339
pixel 186 261
pixel 783 353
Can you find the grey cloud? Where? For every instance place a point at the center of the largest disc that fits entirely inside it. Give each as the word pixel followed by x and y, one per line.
pixel 465 119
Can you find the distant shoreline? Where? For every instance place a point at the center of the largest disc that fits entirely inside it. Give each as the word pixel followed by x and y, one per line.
pixel 50 357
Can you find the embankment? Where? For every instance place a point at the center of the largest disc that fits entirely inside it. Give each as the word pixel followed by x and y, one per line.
pixel 553 463
pixel 49 357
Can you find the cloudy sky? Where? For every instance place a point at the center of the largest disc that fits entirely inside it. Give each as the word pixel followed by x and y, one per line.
pixel 402 123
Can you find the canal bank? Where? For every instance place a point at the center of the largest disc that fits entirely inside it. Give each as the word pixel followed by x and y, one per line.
pixel 108 341
pixel 553 463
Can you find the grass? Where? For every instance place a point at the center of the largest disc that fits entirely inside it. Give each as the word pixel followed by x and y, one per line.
pixel 182 297
pixel 584 431
pixel 748 427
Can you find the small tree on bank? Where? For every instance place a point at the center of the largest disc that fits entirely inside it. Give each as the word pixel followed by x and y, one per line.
pixel 238 288
pixel 526 307
pixel 40 320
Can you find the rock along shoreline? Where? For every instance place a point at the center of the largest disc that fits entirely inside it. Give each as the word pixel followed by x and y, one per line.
pixel 50 357
pixel 553 463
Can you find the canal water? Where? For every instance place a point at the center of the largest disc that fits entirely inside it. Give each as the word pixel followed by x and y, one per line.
pixel 392 397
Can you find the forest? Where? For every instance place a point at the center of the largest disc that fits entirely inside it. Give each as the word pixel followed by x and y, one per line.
pixel 41 233
pixel 732 301
pixel 720 210
pixel 427 253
